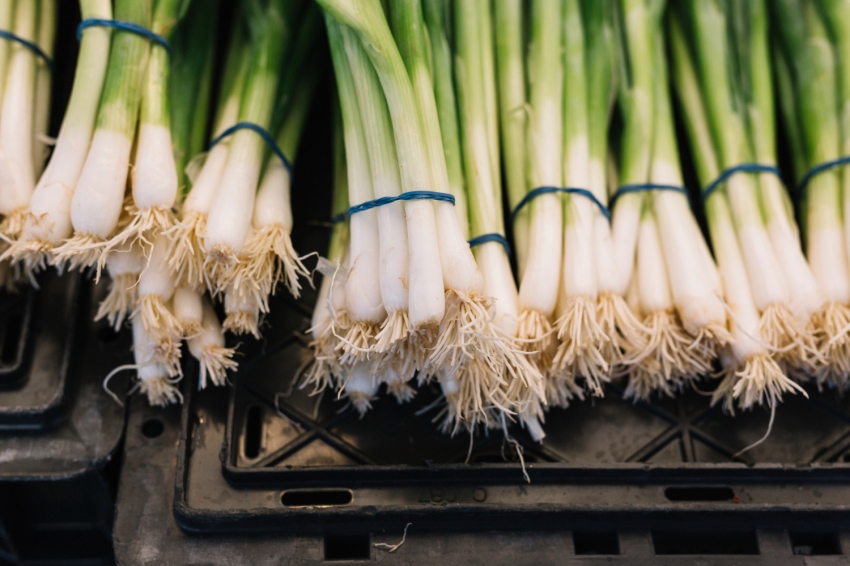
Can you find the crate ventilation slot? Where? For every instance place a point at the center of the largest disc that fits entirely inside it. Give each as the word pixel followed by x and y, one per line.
pixel 814 544
pixel 705 542
pixel 253 432
pixel 347 547
pixel 596 542
pixel 316 497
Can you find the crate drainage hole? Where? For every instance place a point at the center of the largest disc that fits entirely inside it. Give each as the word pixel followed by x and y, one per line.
pixel 699 493
pixel 253 432
pixel 814 544
pixel 596 542
pixel 702 542
pixel 152 428
pixel 316 497
pixel 347 547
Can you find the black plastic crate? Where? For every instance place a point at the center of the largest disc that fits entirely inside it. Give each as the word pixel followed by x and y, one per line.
pixel 62 433
pixel 645 484
pixel 262 473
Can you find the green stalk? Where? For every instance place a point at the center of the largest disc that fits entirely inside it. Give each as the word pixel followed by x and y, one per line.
pixel 444 93
pixel 339 231
pixel 836 15
pixel 128 60
pixel 236 65
pixel 427 290
pixel 356 152
pixel 809 58
pixel 189 90
pixel 636 22
pixel 483 189
pixel 270 30
pixel 600 89
pixel 637 84
pixel 409 30
pixel 575 105
pixel 488 53
pixel 513 118
pixel 708 22
pixel 790 120
pixel 367 19
pixel 155 103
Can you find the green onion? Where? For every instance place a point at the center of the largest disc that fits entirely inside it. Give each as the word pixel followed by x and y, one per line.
pixel 48 223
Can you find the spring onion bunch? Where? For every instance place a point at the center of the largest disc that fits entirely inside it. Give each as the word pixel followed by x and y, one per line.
pixel 133 110
pixel 440 320
pixel 758 294
pixel 25 97
pixel 476 84
pixel 813 75
pixel 673 279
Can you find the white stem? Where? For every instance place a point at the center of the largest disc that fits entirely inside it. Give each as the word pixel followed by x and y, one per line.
pixel 50 206
pixel 127 259
pixel 99 195
pixel 157 279
pixel 653 282
pixel 188 307
pixel 17 167
pixel 499 284
pixel 154 171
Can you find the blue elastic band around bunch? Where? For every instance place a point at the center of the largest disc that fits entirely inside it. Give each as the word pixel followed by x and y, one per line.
pixel 533 194
pixel 742 168
pixel 817 170
pixel 412 195
pixel 28 44
pixel 263 134
pixel 646 187
pixel 493 237
pixel 341 217
pixel 123 26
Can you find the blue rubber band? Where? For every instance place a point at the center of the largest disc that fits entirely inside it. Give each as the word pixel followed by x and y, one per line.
pixel 817 170
pixel 123 26
pixel 412 195
pixel 341 217
pixel 263 134
pixel 646 187
pixel 494 237
pixel 533 194
pixel 29 45
pixel 742 168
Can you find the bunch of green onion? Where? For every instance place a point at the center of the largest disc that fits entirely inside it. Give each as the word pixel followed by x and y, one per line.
pixel 811 43
pixel 129 186
pixel 774 300
pixel 408 298
pixel 25 87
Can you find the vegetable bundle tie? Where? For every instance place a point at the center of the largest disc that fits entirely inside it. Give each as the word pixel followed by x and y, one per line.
pixel 263 133
pixel 817 170
pixel 6 34
pixel 533 194
pixel 742 168
pixel 123 26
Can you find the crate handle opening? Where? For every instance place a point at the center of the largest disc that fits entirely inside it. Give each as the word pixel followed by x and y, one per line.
pixel 316 497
